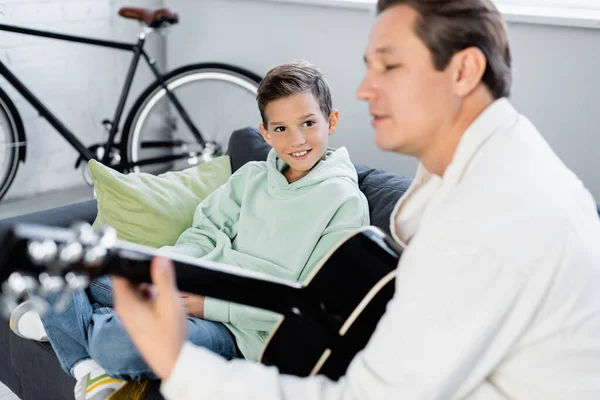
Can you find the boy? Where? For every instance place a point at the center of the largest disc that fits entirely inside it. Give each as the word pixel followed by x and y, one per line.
pixel 279 217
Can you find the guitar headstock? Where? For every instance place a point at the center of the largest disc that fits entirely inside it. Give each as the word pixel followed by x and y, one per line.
pixel 38 261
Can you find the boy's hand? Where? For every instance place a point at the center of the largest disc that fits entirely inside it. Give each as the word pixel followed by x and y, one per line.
pixel 153 316
pixel 194 304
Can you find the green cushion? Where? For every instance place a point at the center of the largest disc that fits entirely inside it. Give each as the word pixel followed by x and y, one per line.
pixel 154 210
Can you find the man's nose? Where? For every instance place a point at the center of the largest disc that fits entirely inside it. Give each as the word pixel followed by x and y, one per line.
pixel 366 90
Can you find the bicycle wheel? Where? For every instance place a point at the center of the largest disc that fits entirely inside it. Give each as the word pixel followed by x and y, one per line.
pixel 11 132
pixel 218 99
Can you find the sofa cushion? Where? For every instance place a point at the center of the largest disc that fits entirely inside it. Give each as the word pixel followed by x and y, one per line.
pixel 34 359
pixel 7 372
pixel 246 144
pixel 382 189
pixel 37 366
pixel 154 210
pixel 60 216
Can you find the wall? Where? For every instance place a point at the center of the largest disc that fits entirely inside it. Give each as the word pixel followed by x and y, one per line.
pixel 79 83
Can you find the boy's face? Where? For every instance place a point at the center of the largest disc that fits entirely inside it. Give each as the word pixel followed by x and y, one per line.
pixel 298 131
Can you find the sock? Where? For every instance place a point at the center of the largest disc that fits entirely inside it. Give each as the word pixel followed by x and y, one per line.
pixel 82 368
pixel 30 326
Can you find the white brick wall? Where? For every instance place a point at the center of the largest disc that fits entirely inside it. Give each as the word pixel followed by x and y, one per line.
pixel 79 83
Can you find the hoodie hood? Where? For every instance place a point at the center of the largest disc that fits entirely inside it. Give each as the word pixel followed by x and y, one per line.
pixel 337 164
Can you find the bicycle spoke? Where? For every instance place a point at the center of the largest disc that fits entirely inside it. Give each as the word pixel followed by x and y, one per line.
pixel 226 117
pixel 13 144
pixel 216 102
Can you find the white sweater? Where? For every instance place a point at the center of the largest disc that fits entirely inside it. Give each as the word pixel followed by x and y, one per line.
pixel 497 293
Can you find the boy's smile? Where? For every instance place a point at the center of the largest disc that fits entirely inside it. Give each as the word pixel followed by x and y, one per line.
pixel 301 155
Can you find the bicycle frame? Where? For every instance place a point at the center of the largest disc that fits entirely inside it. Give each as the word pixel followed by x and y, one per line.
pixel 138 51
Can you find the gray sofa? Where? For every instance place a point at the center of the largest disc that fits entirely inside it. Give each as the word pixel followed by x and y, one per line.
pixel 31 370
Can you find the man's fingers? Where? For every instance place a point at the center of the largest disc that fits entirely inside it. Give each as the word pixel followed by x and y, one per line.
pixel 185 301
pixel 163 276
pixel 123 292
pixel 147 291
pixel 126 297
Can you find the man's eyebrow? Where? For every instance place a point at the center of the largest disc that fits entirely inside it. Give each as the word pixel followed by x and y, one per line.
pixel 379 50
pixel 384 50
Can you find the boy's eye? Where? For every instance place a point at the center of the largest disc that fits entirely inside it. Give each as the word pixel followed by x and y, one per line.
pixel 309 123
pixel 391 67
pixel 279 129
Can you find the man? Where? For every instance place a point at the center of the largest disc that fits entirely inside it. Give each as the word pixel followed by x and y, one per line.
pixel 497 292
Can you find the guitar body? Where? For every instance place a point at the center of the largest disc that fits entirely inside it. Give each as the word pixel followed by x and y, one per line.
pixel 353 287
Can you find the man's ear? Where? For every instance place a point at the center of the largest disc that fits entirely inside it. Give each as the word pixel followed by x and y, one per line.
pixel 265 134
pixel 468 68
pixel 334 119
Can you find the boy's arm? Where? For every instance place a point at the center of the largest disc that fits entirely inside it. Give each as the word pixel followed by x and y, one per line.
pixel 215 221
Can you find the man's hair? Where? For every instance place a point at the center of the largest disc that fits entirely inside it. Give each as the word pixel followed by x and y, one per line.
pixel 449 26
pixel 290 79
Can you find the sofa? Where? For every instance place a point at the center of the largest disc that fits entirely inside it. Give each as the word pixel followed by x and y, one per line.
pixel 30 369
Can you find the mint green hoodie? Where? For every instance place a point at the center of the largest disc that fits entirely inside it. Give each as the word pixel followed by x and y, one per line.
pixel 259 221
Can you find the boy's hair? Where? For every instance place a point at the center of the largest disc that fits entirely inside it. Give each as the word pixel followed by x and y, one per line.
pixel 290 79
pixel 449 26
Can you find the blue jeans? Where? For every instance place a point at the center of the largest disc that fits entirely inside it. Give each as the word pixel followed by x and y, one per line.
pixel 89 328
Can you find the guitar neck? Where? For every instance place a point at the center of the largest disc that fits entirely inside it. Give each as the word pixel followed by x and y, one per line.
pixel 32 250
pixel 210 279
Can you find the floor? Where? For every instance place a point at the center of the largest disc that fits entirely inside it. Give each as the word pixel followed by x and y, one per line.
pixel 6 394
pixel 11 208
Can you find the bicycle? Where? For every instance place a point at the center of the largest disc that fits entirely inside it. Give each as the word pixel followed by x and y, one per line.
pixel 160 133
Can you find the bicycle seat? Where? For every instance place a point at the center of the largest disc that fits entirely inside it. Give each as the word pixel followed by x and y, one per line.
pixel 152 18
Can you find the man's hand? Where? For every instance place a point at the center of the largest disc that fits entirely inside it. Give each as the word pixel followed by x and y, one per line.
pixel 194 304
pixel 153 316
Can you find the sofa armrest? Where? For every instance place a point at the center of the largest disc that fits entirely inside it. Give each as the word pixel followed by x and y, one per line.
pixel 60 216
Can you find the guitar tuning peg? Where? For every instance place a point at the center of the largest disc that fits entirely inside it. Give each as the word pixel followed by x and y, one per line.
pixel 40 305
pixel 95 256
pixel 108 237
pixel 50 284
pixel 77 281
pixel 74 283
pixel 70 253
pixel 84 233
pixel 42 252
pixel 18 284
